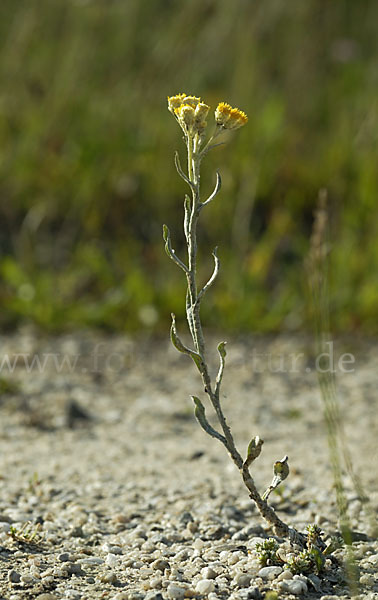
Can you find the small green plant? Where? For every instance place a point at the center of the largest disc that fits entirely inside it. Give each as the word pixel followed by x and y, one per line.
pixel 27 534
pixel 191 114
pixel 314 534
pixel 267 552
pixel 309 560
pixel 304 562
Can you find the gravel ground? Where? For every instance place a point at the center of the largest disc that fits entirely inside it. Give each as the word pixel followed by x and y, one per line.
pixel 110 489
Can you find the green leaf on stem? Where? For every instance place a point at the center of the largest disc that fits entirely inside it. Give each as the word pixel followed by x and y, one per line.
pixel 222 356
pixel 181 347
pixel 199 412
pixel 170 251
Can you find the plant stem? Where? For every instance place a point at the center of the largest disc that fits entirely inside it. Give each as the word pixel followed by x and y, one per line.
pixel 195 327
pixel 193 309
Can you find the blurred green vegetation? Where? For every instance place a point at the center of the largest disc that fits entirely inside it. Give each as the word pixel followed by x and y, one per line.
pixel 87 175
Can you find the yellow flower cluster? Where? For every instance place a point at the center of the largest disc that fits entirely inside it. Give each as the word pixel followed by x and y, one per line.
pixel 228 117
pixel 191 114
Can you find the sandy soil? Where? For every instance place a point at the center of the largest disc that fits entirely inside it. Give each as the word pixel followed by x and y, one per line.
pixel 103 465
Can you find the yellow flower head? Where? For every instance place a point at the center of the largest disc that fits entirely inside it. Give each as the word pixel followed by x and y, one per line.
pixel 190 112
pixel 192 101
pixel 175 102
pixel 228 117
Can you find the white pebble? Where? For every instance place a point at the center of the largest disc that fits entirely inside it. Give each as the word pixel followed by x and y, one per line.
pixel 286 574
pixel 234 558
pixel 367 580
pixel 27 578
pixel 294 586
pixel 175 591
pixel 269 572
pixel 160 564
pixel 242 580
pixel 205 586
pixel 182 555
pixel 47 573
pixel 155 583
pixel 108 577
pixel 111 560
pixel 92 560
pixel 146 547
pixel 208 573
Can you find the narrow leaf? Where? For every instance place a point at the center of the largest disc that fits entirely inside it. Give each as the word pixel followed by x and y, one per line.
pixel 199 412
pixel 181 172
pixel 181 347
pixel 213 276
pixel 222 356
pixel 222 349
pixel 170 251
pixel 187 211
pixel 218 185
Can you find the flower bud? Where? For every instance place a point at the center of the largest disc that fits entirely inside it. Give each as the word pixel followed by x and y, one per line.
pixel 201 111
pixel 185 115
